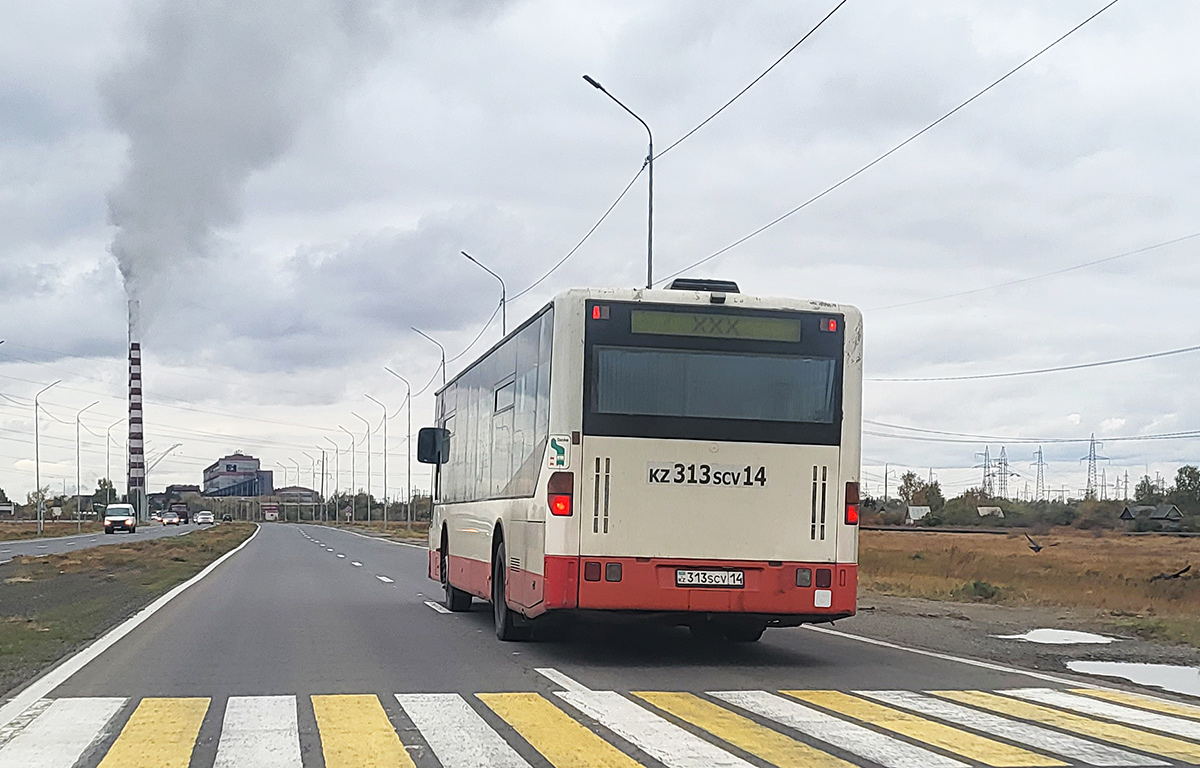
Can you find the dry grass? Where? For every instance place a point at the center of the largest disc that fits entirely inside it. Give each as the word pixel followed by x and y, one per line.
pixel 28 530
pixel 395 530
pixel 1109 573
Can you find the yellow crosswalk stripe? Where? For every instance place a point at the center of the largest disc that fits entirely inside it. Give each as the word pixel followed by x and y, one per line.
pixel 969 745
pixel 742 732
pixel 1143 702
pixel 160 733
pixel 356 733
pixel 1154 743
pixel 554 733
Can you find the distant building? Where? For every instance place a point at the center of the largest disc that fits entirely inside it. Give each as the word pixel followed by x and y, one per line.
pixel 237 475
pixel 297 494
pixel 990 511
pixel 1164 513
pixel 176 490
pixel 914 514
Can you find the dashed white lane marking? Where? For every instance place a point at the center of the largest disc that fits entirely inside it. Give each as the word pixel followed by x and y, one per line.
pixel 1175 726
pixel 458 736
pixel 356 564
pixel 437 606
pixel 664 741
pixel 386 580
pixel 884 750
pixel 1072 747
pixel 42 546
pixel 561 680
pixel 59 736
pixel 261 731
pixel 341 555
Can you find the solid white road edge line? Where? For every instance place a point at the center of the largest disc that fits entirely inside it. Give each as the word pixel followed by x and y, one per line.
pixel 59 675
pixel 959 659
pixel 554 676
pixel 386 541
pixel 437 606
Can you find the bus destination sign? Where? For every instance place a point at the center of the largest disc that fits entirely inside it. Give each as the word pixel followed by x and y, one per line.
pixel 715 326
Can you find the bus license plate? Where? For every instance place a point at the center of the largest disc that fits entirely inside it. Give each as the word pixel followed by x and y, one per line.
pixel 734 579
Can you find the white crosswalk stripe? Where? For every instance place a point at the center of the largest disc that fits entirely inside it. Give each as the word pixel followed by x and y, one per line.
pixel 668 743
pixel 1174 726
pixel 1070 747
pixel 259 731
pixel 855 739
pixel 458 736
pixel 59 736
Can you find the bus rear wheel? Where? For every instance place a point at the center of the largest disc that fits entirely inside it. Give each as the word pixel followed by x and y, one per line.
pixel 508 626
pixel 455 599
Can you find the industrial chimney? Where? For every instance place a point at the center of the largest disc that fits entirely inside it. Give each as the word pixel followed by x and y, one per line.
pixel 136 460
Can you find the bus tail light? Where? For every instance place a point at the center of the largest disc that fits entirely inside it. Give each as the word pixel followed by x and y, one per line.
pixel 558 493
pixel 851 503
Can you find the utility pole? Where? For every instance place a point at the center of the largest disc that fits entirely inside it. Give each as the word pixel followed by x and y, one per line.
pixel 1002 474
pixel 353 470
pixel 1091 459
pixel 1126 497
pixel 108 460
pixel 37 460
pixel 988 476
pixel 1040 485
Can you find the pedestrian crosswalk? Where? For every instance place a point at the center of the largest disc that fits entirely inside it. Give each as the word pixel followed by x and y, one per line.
pixel 581 728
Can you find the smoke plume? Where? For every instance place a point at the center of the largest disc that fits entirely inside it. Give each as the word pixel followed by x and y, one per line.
pixel 215 91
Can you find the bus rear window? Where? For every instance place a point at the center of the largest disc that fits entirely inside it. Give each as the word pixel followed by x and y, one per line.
pixel 640 381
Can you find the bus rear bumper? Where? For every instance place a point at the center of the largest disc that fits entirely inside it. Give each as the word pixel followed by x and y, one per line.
pixel 779 588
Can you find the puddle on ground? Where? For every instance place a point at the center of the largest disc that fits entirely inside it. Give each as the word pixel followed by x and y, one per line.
pixel 1059 637
pixel 1169 677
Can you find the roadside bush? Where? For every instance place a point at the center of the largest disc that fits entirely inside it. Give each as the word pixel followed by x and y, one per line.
pixel 978 590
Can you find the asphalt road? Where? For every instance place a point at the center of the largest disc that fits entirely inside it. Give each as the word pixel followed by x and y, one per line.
pixel 317 647
pixel 56 545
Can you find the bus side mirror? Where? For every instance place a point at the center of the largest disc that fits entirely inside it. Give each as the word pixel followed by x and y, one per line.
pixel 433 445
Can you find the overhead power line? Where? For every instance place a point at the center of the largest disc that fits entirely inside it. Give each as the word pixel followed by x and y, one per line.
pixel 1031 278
pixel 676 143
pixel 1077 367
pixel 889 153
pixel 753 82
pixel 1186 435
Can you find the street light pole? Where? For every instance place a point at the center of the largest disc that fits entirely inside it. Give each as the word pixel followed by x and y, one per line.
pixel 385 443
pixel 435 341
pixel 297 485
pixel 108 461
pixel 503 302
pixel 367 424
pixel 337 475
pixel 78 473
pixel 407 450
pixel 650 163
pixel 37 460
pixel 353 469
pixel 314 482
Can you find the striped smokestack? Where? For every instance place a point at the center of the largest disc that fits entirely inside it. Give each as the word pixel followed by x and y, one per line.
pixel 136 479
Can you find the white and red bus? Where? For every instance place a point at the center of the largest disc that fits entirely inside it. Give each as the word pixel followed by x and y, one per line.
pixel 690 453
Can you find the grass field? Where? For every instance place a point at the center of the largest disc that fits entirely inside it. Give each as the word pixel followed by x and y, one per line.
pixel 1111 574
pixel 53 604
pixel 23 530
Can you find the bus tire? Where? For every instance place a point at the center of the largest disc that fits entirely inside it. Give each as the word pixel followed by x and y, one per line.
pixel 509 626
pixel 455 599
pixel 745 630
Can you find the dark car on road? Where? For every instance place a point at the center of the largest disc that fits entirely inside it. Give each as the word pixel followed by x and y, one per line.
pixel 120 517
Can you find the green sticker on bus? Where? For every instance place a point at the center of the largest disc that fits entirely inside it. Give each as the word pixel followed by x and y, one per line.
pixel 560 452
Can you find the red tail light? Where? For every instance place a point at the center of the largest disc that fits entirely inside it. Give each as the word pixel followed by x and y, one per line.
pixel 558 493
pixel 851 503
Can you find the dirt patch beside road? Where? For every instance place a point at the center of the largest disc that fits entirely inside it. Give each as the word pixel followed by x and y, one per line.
pixel 54 604
pixel 1113 582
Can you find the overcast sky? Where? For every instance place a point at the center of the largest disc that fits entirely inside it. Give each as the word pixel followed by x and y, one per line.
pixel 287 185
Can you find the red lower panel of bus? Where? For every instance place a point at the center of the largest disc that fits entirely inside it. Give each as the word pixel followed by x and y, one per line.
pixel 649 584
